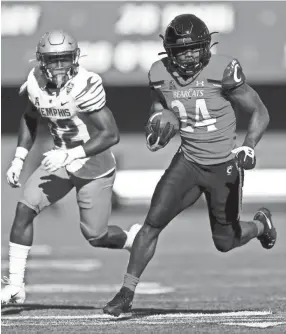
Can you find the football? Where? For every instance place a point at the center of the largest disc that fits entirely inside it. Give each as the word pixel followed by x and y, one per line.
pixel 165 116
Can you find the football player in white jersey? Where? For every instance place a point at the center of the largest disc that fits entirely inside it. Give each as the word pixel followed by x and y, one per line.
pixel 72 100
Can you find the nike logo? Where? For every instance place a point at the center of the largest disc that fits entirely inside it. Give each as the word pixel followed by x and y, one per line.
pixel 63 103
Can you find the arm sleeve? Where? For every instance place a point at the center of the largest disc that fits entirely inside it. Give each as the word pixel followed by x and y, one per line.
pixel 92 97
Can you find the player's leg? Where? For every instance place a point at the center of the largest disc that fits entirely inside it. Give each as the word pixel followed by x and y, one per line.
pixel 165 205
pixel 95 201
pixel 175 191
pixel 224 198
pixel 40 190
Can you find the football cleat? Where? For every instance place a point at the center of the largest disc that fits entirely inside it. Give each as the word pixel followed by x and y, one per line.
pixel 12 294
pixel 131 234
pixel 269 235
pixel 121 303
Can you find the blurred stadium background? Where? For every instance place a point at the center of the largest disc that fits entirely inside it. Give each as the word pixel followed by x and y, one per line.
pixel 119 40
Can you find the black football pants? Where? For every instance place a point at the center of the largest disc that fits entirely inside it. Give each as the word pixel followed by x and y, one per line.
pixel 184 182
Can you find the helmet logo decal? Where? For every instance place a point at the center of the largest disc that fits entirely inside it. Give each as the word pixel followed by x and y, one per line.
pixel 236 79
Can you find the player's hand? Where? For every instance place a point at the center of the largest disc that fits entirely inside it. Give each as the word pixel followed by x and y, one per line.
pixel 245 157
pixel 54 160
pixel 152 142
pixel 158 137
pixel 14 172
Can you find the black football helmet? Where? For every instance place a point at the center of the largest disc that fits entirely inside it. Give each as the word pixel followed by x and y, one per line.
pixel 187 31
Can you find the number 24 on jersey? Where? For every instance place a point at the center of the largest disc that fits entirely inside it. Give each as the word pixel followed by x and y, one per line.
pixel 203 118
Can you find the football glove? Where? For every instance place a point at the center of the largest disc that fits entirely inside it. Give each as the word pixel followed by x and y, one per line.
pixel 245 157
pixel 158 137
pixel 14 172
pixel 56 159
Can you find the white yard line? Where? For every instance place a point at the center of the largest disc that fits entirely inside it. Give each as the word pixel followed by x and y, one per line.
pixel 254 319
pixel 76 265
pixel 255 324
pixel 146 288
pixel 150 317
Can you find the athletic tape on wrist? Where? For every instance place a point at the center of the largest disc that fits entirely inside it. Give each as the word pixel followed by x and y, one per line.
pixel 21 153
pixel 78 152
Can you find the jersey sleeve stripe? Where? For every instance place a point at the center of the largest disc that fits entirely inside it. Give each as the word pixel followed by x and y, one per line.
pixel 96 103
pixel 98 86
pixel 96 98
pixel 99 106
pixel 88 87
pixel 95 106
pixel 99 92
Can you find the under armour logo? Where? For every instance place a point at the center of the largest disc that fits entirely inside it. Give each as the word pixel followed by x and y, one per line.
pixel 229 170
pixel 199 83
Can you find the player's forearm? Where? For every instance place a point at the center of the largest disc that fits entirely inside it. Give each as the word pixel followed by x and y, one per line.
pixel 27 132
pixel 156 107
pixel 100 142
pixel 26 137
pixel 257 126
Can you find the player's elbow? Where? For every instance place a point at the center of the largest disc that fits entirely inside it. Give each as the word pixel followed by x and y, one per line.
pixel 113 138
pixel 266 117
pixel 116 138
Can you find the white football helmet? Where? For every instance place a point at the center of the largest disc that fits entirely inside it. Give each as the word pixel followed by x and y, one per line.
pixel 58 54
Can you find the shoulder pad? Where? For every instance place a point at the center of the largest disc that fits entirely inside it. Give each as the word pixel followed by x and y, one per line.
pixel 216 66
pixel 36 79
pixel 233 75
pixel 157 73
pixel 90 94
pixel 23 88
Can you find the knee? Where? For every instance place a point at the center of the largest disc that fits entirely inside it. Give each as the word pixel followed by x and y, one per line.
pixel 99 242
pixel 33 200
pixel 23 218
pixel 223 244
pixel 224 238
pixel 150 230
pixel 95 237
pixel 24 212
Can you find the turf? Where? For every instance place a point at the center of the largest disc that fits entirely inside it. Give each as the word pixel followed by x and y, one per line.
pixel 202 281
pixel 68 281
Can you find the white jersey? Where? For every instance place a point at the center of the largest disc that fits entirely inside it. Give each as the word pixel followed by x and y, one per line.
pixel 66 111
